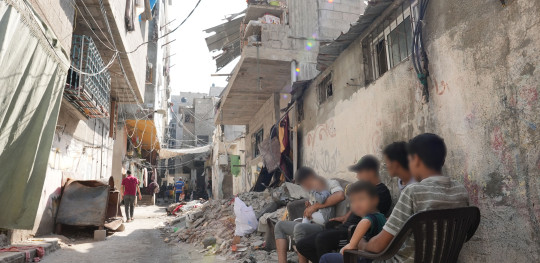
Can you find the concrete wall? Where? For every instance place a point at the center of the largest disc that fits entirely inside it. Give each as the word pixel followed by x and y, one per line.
pixel 81 150
pixel 58 14
pixel 484 102
pixel 264 119
pixel 137 60
pixel 204 117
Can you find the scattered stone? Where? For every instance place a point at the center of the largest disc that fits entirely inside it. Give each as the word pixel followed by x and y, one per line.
pixel 257 244
pixel 209 241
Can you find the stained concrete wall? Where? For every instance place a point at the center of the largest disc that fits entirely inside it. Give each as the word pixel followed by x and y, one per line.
pixel 81 150
pixel 58 14
pixel 484 102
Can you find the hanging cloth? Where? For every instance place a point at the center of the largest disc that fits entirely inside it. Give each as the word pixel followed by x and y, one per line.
pixel 34 70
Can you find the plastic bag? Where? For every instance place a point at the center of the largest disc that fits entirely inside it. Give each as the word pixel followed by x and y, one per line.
pixel 246 221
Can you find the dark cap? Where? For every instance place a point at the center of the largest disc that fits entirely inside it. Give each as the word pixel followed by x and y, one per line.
pixel 368 162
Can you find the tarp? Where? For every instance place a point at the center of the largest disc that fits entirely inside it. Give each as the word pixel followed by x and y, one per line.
pixel 169 153
pixel 83 203
pixel 144 130
pixel 32 76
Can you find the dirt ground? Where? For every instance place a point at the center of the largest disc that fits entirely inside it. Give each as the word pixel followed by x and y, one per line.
pixel 141 241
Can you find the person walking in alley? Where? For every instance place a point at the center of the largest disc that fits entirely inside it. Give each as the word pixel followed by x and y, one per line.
pixel 179 189
pixel 130 188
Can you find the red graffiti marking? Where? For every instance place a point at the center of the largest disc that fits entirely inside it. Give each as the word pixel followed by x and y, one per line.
pixel 529 95
pixel 324 131
pixel 444 86
pixel 472 188
pixel 497 142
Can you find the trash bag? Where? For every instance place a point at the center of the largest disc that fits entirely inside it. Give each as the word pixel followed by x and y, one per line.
pixel 246 221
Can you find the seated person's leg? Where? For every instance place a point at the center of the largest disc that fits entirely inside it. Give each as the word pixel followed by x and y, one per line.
pixel 281 231
pixel 331 258
pixel 338 258
pixel 304 229
pixel 328 241
pixel 306 247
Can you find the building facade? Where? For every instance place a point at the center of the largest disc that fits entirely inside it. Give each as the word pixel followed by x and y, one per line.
pixel 482 87
pixel 278 46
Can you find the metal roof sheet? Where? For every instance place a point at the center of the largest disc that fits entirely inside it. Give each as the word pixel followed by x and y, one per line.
pixel 330 52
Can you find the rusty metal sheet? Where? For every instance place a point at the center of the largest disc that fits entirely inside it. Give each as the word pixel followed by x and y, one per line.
pixel 84 203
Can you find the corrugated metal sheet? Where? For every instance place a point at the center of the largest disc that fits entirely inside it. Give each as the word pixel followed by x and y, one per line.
pixel 226 39
pixel 330 52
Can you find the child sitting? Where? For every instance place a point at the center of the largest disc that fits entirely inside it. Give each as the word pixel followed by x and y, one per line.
pixel 363 201
pixel 319 194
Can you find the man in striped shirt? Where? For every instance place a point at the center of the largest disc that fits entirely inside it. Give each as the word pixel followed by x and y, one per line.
pixel 427 153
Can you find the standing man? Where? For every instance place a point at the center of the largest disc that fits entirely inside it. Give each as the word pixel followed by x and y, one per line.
pixel 130 187
pixel 179 188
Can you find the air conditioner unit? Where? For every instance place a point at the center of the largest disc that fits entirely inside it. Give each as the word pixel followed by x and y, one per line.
pixel 223 160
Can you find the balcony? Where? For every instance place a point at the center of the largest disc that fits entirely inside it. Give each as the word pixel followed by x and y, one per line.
pixel 88 93
pixel 264 67
pixel 111 15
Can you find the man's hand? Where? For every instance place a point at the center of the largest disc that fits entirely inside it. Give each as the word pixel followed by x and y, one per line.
pixel 140 197
pixel 341 219
pixel 348 247
pixel 310 210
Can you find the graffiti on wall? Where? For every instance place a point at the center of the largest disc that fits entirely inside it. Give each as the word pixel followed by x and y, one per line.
pixel 441 88
pixel 318 154
pixel 321 132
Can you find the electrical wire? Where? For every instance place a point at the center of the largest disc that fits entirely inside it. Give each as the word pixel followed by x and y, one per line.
pixel 419 55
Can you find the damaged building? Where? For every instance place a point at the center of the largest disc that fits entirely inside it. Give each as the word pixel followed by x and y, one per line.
pixel 471 76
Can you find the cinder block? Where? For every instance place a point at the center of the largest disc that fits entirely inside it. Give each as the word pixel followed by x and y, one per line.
pixel 100 235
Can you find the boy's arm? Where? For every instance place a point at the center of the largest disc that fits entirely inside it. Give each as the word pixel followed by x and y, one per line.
pixel 342 219
pixel 122 190
pixel 139 191
pixel 377 243
pixel 332 200
pixel 401 213
pixel 360 231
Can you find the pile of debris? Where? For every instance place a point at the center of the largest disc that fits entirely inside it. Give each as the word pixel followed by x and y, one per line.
pixel 211 224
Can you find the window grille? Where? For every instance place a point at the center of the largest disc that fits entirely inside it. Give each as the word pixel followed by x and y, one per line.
pixel 90 94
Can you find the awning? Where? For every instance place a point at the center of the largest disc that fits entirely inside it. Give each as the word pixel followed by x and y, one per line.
pixel 170 153
pixel 143 133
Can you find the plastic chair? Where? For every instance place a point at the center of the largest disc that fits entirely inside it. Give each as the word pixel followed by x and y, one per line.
pixel 439 236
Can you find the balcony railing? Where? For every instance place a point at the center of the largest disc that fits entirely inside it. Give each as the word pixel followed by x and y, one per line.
pixel 89 93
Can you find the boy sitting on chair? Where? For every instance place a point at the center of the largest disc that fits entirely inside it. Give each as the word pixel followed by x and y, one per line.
pixel 427 154
pixel 363 201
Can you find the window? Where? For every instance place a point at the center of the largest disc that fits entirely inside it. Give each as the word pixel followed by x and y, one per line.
pixel 183 100
pixel 257 139
pixel 325 88
pixel 390 43
pixel 188 118
pixel 400 41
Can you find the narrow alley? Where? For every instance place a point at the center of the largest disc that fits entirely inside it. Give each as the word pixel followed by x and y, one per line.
pixel 141 241
pixel 288 131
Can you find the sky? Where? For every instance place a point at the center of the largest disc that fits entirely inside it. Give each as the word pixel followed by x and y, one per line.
pixel 193 63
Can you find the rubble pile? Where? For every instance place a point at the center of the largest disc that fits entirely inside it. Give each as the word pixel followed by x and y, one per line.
pixel 211 225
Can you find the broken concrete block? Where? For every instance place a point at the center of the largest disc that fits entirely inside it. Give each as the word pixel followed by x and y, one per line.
pixel 209 241
pixel 100 235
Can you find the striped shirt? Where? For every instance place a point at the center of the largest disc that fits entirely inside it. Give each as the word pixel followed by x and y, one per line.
pixel 435 192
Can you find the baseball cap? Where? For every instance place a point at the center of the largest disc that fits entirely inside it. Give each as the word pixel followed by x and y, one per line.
pixel 367 162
